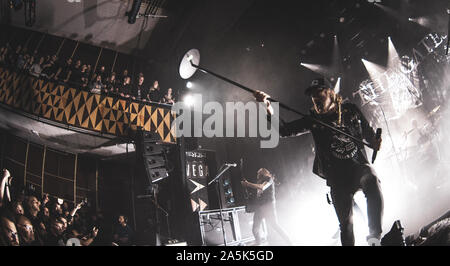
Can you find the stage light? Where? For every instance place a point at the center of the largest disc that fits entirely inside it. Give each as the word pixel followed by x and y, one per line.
pixel 337 87
pixel 336 64
pixel 188 100
pixel 373 69
pixel 393 58
pixel 189 85
pixel 423 21
pixel 320 69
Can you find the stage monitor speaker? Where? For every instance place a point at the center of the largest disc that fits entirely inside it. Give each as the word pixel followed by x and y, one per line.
pixel 212 226
pixel 237 225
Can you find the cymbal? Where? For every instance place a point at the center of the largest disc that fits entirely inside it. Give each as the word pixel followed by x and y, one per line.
pixel 186 69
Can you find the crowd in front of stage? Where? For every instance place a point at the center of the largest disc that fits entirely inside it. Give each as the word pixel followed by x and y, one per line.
pixel 29 220
pixel 75 74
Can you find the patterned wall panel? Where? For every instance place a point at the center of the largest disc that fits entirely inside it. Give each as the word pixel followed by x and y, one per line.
pixel 83 109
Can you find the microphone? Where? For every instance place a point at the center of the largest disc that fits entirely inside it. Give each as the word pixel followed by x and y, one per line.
pixel 377 136
pixel 230 164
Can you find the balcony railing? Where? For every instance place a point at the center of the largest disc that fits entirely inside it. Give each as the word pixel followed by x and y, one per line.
pixel 82 109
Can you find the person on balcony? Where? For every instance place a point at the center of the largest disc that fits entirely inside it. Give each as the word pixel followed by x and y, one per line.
pixel 140 93
pixel 125 88
pixel 168 98
pixel 155 92
pixel 97 86
pixel 111 84
pixel 63 73
pixel 36 68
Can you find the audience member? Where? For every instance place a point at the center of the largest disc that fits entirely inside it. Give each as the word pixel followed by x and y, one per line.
pixel 55 233
pixel 8 230
pixel 125 88
pixel 96 85
pixel 50 68
pixel 32 208
pixel 26 233
pixel 102 73
pixel 36 68
pixel 168 98
pixel 140 93
pixel 111 84
pixel 64 72
pixel 155 92
pixel 123 76
pixel 122 232
pixel 75 77
pixel 17 208
pixel 84 76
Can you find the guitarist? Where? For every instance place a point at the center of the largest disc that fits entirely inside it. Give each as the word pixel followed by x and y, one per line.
pixel 265 205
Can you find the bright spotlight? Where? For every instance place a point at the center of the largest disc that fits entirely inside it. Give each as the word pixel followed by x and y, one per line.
pixel 337 87
pixel 320 69
pixel 373 69
pixel 393 58
pixel 336 64
pixel 423 21
pixel 189 85
pixel 188 100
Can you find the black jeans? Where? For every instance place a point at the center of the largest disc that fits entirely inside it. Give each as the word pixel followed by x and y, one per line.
pixel 342 191
pixel 269 213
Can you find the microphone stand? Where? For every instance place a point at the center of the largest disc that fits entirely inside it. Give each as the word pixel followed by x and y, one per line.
pixel 158 207
pixel 216 179
pixel 283 105
pixel 448 30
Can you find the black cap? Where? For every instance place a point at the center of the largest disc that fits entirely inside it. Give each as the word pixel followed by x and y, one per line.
pixel 316 84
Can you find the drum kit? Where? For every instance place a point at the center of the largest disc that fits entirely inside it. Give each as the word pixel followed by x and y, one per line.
pixel 421 150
